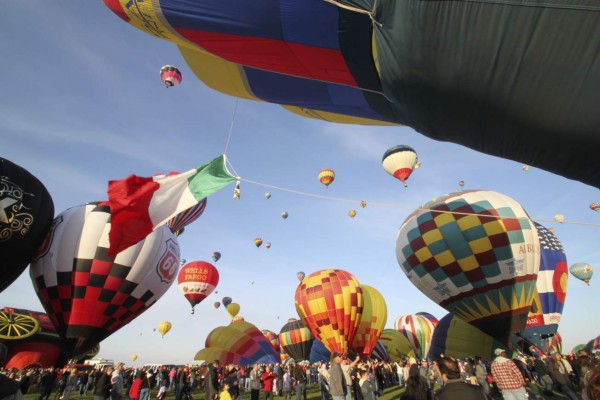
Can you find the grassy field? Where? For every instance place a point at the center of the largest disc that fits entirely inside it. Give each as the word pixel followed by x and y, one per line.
pixel 312 393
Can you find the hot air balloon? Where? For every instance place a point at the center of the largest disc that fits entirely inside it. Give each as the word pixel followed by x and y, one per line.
pixel 595 206
pixel 461 183
pixel 326 176
pixel 431 318
pixel 352 213
pixel 363 204
pixel 267 195
pixel 372 321
pixel 396 344
pixel 197 280
pixel 551 289
pixel 233 309
pixel 582 271
pixel 284 214
pixel 273 338
pixel 239 343
pixel 237 318
pixel 217 304
pixel 525 168
pixel 183 219
pixel 399 161
pixel 576 349
pixel 475 253
pixel 330 304
pixel 164 327
pixel 300 275
pixel 455 338
pixel 296 339
pixel 226 301
pixel 324 68
pixel 319 353
pixel 258 242
pixel 268 245
pixel 559 218
pixel 134 357
pixel 593 345
pixel 170 76
pixel 216 256
pixel 418 330
pixel 99 294
pixel 26 213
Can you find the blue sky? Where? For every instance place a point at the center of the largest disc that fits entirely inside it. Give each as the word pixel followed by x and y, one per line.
pixel 82 103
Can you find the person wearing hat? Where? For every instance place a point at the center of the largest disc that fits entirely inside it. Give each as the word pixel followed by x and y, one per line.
pixel 337 383
pixel 454 386
pixel 507 376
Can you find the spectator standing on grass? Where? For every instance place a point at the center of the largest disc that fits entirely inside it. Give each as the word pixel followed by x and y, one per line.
pixel 417 387
pixel 103 386
pixel 454 386
pixel 508 378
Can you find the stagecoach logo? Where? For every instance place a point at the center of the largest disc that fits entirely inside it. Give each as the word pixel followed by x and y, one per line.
pixel 45 246
pixel 169 262
pixel 14 216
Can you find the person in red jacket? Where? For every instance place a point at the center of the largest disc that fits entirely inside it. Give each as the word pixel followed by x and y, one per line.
pixel 136 387
pixel 268 378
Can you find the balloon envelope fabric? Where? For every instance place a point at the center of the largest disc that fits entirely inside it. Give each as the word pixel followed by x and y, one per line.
pixel 26 214
pixel 418 330
pixel 330 303
pixel 296 339
pixel 475 253
pixel 88 294
pixel 372 321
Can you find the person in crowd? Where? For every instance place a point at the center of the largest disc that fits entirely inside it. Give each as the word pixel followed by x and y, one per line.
pixel 543 374
pixel 287 384
pixel 225 393
pixel 560 375
pixel 417 387
pixel 162 391
pixel 211 381
pixel 299 378
pixel 323 379
pixel 71 384
pixel 103 384
pixel 116 381
pixel 47 382
pixel 591 390
pixel 427 372
pixel 367 391
pixel 347 367
pixel 231 379
pixel 145 386
pixel 9 388
pixel 454 386
pixel 255 379
pixel 136 387
pixel 172 374
pixel 268 379
pixel 507 376
pixel 337 383
pixel 481 375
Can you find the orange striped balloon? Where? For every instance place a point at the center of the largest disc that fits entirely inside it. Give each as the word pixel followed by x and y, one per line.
pixel 326 176
pixel 330 303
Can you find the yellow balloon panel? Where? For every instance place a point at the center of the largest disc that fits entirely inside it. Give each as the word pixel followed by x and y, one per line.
pixel 372 321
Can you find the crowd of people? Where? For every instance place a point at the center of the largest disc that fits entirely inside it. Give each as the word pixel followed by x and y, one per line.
pixel 576 377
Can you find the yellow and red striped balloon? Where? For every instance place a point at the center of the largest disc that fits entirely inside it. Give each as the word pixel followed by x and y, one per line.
pixel 372 321
pixel 330 303
pixel 326 176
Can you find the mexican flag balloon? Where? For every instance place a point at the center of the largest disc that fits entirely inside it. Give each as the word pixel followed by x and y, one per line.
pixel 197 280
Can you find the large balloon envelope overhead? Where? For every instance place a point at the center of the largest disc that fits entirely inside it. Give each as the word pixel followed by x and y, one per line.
pixel 239 343
pixel 551 289
pixel 399 161
pixel 296 339
pixel 318 60
pixel 170 75
pixel 184 218
pixel 475 253
pixel 330 303
pixel 89 295
pixel 197 280
pixel 26 214
pixel 372 321
pixel 582 271
pixel 455 338
pixel 418 330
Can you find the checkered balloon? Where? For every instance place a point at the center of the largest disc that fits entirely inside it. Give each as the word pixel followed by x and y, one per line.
pixel 88 294
pixel 477 254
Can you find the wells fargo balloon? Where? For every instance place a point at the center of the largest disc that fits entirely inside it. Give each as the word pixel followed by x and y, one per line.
pixel 372 321
pixel 475 253
pixel 399 161
pixel 330 303
pixel 582 271
pixel 170 75
pixel 354 64
pixel 455 338
pixel 239 343
pixel 418 330
pixel 296 339
pixel 551 289
pixel 164 327
pixel 233 309
pixel 326 176
pixel 26 213
pixel 196 280
pixel 89 295
pixel 184 218
pixel 396 344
